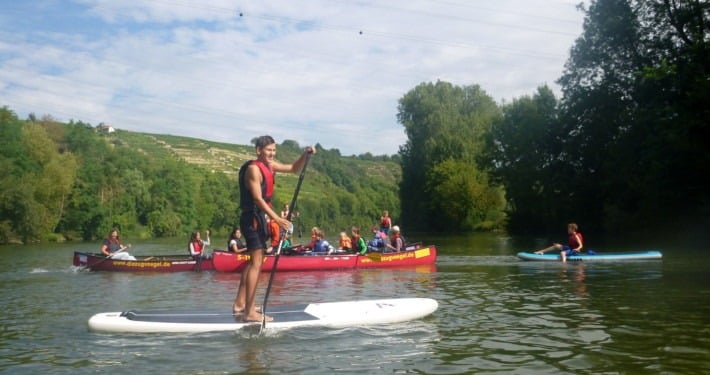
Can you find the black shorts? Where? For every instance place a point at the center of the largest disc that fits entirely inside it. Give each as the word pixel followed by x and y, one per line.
pixel 253 227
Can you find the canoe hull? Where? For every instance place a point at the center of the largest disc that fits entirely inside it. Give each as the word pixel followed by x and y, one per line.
pixel 155 263
pixel 599 257
pixel 231 262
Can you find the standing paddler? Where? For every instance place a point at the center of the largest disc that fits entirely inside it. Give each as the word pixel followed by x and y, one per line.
pixel 256 187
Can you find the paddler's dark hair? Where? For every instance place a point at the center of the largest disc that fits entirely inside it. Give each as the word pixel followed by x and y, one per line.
pixel 263 141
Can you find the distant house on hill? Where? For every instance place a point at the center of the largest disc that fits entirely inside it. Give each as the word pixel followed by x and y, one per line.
pixel 105 128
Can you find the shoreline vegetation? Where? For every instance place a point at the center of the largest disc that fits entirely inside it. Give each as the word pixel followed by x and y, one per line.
pixel 623 149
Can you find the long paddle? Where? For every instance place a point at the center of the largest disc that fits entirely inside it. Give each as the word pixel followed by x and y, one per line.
pixel 123 248
pixel 282 235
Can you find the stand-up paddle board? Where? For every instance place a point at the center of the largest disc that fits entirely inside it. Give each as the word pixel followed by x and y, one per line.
pixel 597 257
pixel 329 314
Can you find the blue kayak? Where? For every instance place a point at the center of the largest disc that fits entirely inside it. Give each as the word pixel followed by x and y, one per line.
pixel 554 256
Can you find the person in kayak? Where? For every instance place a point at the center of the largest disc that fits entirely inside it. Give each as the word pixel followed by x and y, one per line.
pixel 574 247
pixel 256 186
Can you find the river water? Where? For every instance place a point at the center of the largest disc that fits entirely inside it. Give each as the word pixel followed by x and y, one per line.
pixel 496 314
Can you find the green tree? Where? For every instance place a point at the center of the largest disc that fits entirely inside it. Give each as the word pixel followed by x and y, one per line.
pixel 523 153
pixel 87 213
pixel 72 179
pixel 50 181
pixel 635 114
pixel 462 194
pixel 441 122
pixel 596 108
pixel 671 123
pixel 217 204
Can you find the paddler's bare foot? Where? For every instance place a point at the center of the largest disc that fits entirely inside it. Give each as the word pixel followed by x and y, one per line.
pixel 236 310
pixel 257 317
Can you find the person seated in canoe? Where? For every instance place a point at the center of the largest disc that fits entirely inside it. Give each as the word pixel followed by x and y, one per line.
pixel 301 249
pixel 289 248
pixel 314 238
pixel 321 247
pixel 345 243
pixel 112 247
pixel 359 244
pixel 287 241
pixel 235 243
pixel 397 242
pixel 274 234
pixel 198 246
pixel 284 212
pixel 385 222
pixel 574 247
pixel 379 241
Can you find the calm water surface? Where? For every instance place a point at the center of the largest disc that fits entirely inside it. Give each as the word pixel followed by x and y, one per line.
pixel 497 315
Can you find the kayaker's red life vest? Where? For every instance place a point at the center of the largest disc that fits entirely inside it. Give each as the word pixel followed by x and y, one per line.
pixel 573 244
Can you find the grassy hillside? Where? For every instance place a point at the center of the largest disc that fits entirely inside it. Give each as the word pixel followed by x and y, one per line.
pixel 331 179
pixel 227 158
pixel 75 181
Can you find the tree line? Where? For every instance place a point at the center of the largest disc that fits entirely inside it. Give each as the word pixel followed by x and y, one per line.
pixel 623 148
pixel 72 181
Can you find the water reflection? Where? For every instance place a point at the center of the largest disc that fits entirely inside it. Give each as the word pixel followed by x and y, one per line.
pixel 496 314
pixel 575 275
pixel 328 286
pixel 540 314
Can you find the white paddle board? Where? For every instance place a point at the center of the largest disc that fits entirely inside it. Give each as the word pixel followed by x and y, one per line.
pixel 328 314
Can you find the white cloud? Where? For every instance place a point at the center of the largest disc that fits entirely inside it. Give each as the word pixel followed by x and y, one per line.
pixel 313 71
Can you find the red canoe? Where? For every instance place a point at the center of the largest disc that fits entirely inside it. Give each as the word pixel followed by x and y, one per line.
pixel 230 262
pixel 147 263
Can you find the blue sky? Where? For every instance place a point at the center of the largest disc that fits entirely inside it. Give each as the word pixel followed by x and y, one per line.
pixel 328 72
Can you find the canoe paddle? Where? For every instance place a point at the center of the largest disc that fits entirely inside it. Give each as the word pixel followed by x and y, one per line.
pixel 123 248
pixel 282 234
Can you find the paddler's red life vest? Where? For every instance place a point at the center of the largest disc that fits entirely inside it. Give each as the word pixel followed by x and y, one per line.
pixel 197 247
pixel 573 244
pixel 267 186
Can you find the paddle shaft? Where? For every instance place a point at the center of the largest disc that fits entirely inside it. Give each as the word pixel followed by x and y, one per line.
pixel 107 257
pixel 282 235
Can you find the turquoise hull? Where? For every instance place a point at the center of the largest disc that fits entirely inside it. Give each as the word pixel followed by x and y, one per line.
pixel 554 256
